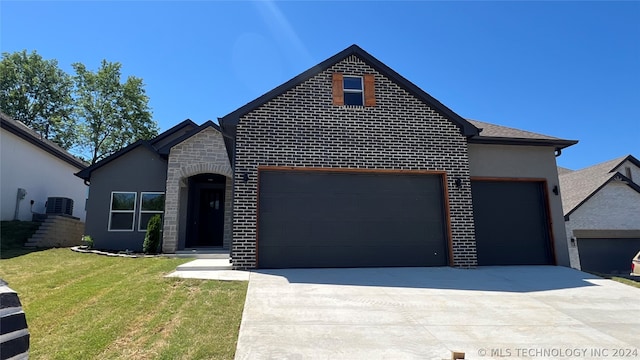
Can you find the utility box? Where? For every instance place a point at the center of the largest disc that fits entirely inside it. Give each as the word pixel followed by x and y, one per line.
pixel 60 205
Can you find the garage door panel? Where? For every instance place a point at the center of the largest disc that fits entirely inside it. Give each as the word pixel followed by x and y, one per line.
pixel 314 219
pixel 347 256
pixel 511 223
pixel 608 256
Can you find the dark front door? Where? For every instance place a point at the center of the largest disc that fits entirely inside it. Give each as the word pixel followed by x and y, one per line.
pixel 206 212
pixel 210 218
pixel 350 219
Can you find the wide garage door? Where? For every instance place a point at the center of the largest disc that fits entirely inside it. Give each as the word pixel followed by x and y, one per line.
pixel 350 219
pixel 511 223
pixel 607 256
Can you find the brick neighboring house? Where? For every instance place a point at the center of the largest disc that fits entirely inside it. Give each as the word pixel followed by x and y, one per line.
pixel 347 164
pixel 602 214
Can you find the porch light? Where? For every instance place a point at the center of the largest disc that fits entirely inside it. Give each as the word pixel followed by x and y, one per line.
pixel 245 177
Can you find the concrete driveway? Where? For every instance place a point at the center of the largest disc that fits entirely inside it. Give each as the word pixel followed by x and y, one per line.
pixel 520 312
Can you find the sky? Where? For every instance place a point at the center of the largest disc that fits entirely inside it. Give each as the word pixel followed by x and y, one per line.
pixel 565 69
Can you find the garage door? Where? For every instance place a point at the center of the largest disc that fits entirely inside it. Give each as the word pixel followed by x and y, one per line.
pixel 350 219
pixel 511 223
pixel 607 256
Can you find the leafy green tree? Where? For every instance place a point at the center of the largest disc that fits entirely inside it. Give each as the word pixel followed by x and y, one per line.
pixel 112 114
pixel 38 93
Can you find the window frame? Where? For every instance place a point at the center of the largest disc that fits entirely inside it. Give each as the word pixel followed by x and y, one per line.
pixel 353 91
pixel 133 211
pixel 140 211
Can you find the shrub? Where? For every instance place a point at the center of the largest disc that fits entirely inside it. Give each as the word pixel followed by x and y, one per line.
pixel 152 238
pixel 87 241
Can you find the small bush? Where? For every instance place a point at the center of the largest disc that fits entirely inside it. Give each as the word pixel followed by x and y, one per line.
pixel 87 241
pixel 152 238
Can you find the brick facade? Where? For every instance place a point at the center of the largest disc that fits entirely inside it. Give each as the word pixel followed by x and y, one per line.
pixel 303 128
pixel 203 152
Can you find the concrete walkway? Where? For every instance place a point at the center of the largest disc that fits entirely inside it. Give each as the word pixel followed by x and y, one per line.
pixel 525 312
pixel 209 269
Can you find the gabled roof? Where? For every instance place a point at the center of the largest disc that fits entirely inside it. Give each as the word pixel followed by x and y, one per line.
pixel 562 170
pixel 466 128
pixel 172 131
pixel 497 134
pixel 166 148
pixel 579 186
pixel 24 132
pixel 86 173
pixel 151 145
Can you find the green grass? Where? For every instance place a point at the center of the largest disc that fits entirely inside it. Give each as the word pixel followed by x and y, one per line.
pixel 628 280
pixel 86 306
pixel 13 235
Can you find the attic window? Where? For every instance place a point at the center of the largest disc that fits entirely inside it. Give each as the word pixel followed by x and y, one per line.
pixel 627 171
pixel 353 90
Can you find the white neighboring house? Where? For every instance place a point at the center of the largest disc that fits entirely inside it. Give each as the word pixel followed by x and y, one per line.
pixel 601 206
pixel 40 167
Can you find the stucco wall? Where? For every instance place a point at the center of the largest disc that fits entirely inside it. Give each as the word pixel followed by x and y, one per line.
pixel 615 207
pixel 511 161
pixel 22 165
pixel 139 170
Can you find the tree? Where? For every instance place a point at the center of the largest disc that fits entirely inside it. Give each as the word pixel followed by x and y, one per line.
pixel 112 114
pixel 38 93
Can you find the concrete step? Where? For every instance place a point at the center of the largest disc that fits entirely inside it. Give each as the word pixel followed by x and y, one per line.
pixel 206 265
pixel 203 254
pixel 31 244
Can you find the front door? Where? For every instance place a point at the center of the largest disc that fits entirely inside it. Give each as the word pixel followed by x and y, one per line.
pixel 206 215
pixel 211 218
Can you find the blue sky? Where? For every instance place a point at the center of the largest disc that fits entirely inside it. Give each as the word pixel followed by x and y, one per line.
pixel 566 69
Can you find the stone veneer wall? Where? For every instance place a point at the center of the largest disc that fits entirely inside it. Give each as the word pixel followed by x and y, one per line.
pixel 58 231
pixel 302 127
pixel 204 152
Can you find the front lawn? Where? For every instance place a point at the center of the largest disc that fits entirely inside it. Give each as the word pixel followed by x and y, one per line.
pixel 13 235
pixel 86 306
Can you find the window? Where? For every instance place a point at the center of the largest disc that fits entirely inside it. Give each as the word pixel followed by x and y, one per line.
pixel 353 90
pixel 627 171
pixel 122 212
pixel 151 203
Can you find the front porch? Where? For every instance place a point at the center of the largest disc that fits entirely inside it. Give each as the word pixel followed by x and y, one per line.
pixel 198 205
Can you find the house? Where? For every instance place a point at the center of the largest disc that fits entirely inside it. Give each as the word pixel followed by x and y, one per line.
pixel 602 214
pixel 346 165
pixel 33 170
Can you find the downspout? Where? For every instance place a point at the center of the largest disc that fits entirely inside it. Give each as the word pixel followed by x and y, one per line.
pixel 558 152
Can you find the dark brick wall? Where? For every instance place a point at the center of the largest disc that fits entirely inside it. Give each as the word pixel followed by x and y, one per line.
pixel 303 128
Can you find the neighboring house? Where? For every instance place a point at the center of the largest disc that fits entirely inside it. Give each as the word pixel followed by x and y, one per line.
pixel 348 164
pixel 39 167
pixel 602 214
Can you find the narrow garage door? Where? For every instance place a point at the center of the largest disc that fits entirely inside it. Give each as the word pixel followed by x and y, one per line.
pixel 350 219
pixel 607 256
pixel 511 223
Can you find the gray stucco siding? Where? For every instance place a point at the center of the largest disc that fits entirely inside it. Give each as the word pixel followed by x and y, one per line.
pixel 535 162
pixel 139 170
